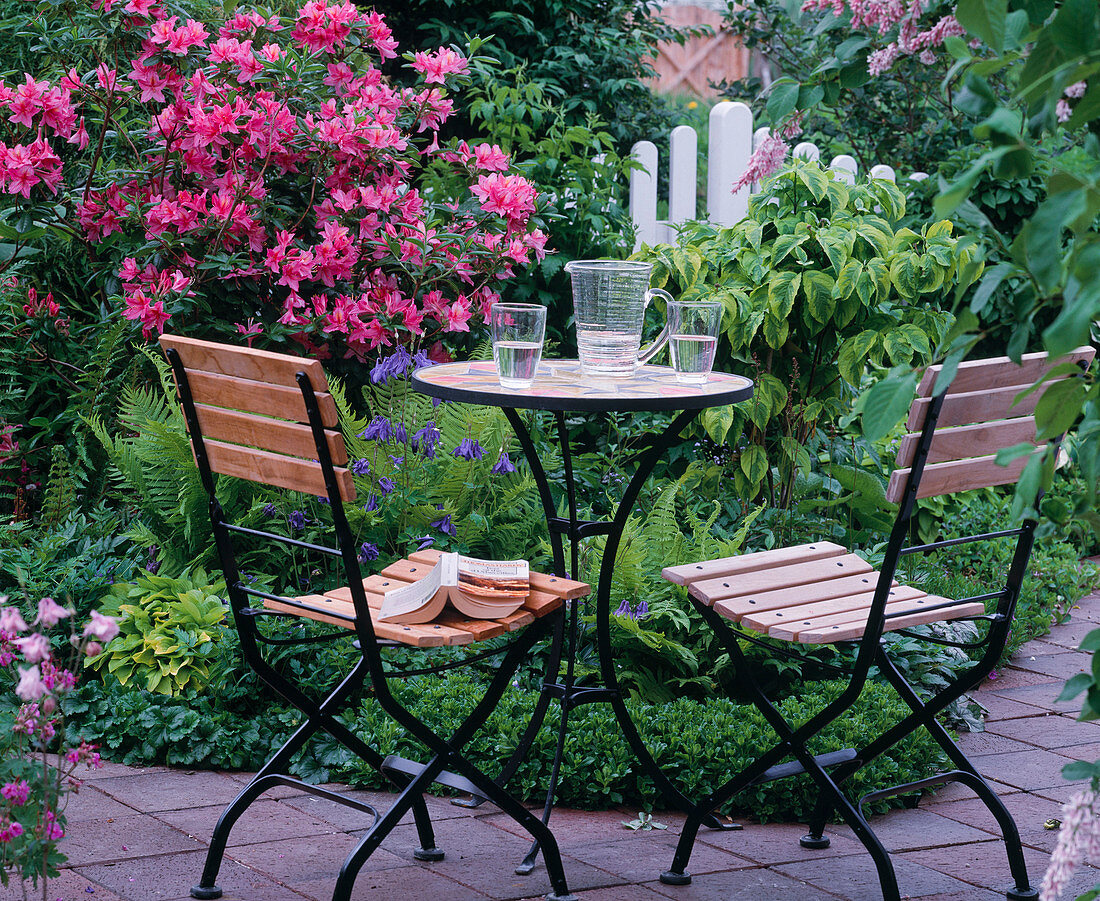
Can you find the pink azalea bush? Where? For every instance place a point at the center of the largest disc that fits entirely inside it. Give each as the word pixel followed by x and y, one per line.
pixel 37 762
pixel 266 172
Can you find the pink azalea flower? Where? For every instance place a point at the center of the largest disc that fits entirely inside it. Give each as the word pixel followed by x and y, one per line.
pixel 35 647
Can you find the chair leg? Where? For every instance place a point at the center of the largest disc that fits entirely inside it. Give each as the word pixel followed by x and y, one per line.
pixel 924 715
pixel 816 839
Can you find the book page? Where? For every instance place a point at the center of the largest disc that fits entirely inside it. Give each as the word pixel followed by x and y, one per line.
pixel 412 597
pixel 494 579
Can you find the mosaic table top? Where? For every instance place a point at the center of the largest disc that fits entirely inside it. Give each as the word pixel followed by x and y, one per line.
pixel 560 385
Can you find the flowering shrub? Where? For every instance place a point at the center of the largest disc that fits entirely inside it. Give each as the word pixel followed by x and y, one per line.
pixel 37 764
pixel 265 170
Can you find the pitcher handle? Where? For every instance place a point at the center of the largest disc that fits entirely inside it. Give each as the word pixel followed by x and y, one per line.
pixel 648 353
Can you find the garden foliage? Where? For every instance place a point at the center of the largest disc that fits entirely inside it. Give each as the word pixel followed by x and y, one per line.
pixel 817 282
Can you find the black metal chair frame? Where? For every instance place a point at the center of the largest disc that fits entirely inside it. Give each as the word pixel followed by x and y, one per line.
pixel 829 771
pixel 447 765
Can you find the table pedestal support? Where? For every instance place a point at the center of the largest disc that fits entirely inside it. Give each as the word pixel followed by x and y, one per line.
pixel 568 694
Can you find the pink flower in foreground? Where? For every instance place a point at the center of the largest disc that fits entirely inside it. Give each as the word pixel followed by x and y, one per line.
pixel 16 792
pixel 50 613
pixel 1079 837
pixel 490 158
pixel 10 831
pixel 102 627
pixel 30 687
pixel 11 621
pixel 35 648
pixel 1062 110
pixel 1076 90
pixel 509 195
pixel 765 160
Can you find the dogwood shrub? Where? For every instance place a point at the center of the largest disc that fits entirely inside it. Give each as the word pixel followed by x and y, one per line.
pixel 260 174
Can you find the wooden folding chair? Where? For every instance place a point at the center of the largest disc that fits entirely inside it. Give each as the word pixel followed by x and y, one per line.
pixel 820 594
pixel 270 418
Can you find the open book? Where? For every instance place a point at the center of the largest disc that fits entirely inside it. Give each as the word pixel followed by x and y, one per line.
pixel 482 589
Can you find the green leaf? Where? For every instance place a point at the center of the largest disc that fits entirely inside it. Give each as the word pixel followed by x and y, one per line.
pixel 814 178
pixel 782 290
pixel 885 404
pixel 818 287
pixel 754 463
pixel 852 358
pixel 776 330
pixel 1091 643
pixel 1059 407
pixel 846 281
pixel 984 19
pixel 782 98
pixel 1081 681
pixel 717 421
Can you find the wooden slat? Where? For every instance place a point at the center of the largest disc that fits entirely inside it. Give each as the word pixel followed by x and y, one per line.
pixel 978 406
pixel 687 573
pixel 320 605
pixel 735 608
pixel 1001 372
pixel 974 440
pixel 853 630
pixel 778 577
pixel 790 620
pixel 556 585
pixel 275 435
pixel 957 475
pixel 246 363
pixel 257 397
pixel 275 469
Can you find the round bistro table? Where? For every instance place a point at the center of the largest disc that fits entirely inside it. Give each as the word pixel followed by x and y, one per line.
pixel 560 386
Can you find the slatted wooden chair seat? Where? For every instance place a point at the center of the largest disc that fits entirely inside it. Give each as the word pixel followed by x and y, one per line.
pixel 450 628
pixel 819 593
pixel 270 418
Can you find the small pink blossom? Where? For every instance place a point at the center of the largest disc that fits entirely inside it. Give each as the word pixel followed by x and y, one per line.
pixel 35 647
pixel 30 686
pixel 16 792
pixel 11 621
pixel 1062 110
pixel 1076 90
pixel 50 613
pixel 765 161
pixel 101 627
pixel 435 67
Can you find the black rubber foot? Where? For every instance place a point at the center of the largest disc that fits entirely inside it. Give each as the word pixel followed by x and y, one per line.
pixel 203 891
pixel 815 842
pixel 471 802
pixel 525 868
pixel 670 878
pixel 1028 894
pixel 568 896
pixel 429 854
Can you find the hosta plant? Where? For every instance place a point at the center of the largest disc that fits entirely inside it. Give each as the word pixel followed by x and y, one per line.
pixel 818 284
pixel 168 632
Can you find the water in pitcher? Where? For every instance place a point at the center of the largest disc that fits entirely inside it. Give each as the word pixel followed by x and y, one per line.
pixel 692 357
pixel 516 362
pixel 607 353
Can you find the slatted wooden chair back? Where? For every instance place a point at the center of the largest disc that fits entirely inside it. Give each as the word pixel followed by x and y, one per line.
pixel 985 410
pixel 253 418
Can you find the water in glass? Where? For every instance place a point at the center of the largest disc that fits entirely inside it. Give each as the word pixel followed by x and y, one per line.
pixel 692 357
pixel 516 362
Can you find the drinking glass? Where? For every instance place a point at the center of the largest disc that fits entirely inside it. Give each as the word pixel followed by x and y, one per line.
pixel 518 332
pixel 693 328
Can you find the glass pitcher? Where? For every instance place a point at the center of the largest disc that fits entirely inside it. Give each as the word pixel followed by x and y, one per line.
pixel 609 302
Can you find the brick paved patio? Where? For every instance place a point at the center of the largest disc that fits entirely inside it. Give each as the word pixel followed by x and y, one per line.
pixel 140 834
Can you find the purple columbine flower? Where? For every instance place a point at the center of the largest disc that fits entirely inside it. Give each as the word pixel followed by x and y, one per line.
pixel 421 359
pixel 380 429
pixel 322 500
pixel 397 461
pixel 426 439
pixel 503 465
pixel 469 449
pixel 425 541
pixel 368 552
pixel 385 485
pixel 361 466
pixel 399 434
pixel 270 511
pixel 445 526
pixel 642 610
pixel 624 609
pixel 371 505
pixel 395 365
pixel 296 520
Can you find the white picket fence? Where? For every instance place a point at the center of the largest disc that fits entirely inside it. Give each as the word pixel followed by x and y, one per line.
pixel 731 143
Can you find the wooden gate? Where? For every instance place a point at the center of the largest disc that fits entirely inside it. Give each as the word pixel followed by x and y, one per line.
pixel 690 68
